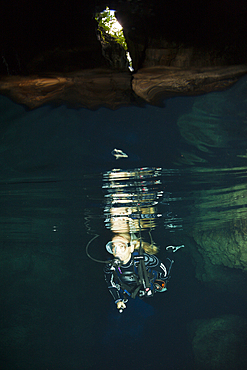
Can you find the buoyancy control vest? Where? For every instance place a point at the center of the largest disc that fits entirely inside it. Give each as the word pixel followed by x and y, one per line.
pixel 138 281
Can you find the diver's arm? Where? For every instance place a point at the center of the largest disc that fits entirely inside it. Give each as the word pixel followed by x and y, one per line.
pixel 111 285
pixel 153 262
pixel 162 270
pixel 114 289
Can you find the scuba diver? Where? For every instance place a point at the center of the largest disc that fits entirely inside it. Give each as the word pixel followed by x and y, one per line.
pixel 135 270
pixel 131 199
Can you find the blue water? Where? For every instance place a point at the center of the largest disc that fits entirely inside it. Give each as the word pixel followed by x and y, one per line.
pixel 56 312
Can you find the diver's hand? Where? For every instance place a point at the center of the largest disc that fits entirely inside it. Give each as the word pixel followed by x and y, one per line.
pixel 121 305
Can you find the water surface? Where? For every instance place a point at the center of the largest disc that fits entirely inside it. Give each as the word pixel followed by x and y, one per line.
pixel 56 311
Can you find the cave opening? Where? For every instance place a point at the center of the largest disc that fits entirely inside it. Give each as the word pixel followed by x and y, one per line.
pixel 111 36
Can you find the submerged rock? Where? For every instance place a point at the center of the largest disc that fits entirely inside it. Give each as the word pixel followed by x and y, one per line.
pixel 220 343
pixel 155 83
pixel 111 88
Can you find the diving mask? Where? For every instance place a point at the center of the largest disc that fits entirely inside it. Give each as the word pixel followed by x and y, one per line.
pixel 116 247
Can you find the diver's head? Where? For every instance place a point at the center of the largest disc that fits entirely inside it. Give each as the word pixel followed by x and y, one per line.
pixel 120 247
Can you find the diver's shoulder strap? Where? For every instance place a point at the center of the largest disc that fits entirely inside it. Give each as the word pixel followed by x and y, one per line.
pixel 142 272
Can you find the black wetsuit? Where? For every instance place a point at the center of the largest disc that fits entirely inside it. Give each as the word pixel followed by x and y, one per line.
pixel 125 274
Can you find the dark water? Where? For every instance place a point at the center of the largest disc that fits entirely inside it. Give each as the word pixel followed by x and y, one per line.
pixel 56 312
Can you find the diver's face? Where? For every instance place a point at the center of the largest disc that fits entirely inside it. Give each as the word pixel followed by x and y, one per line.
pixel 121 249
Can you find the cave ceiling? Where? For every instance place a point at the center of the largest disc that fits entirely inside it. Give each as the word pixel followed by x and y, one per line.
pixel 51 51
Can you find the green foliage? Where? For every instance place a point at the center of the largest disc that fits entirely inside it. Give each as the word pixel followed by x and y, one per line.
pixel 107 21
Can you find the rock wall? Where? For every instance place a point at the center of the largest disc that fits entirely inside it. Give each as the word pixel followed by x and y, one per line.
pixel 219 343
